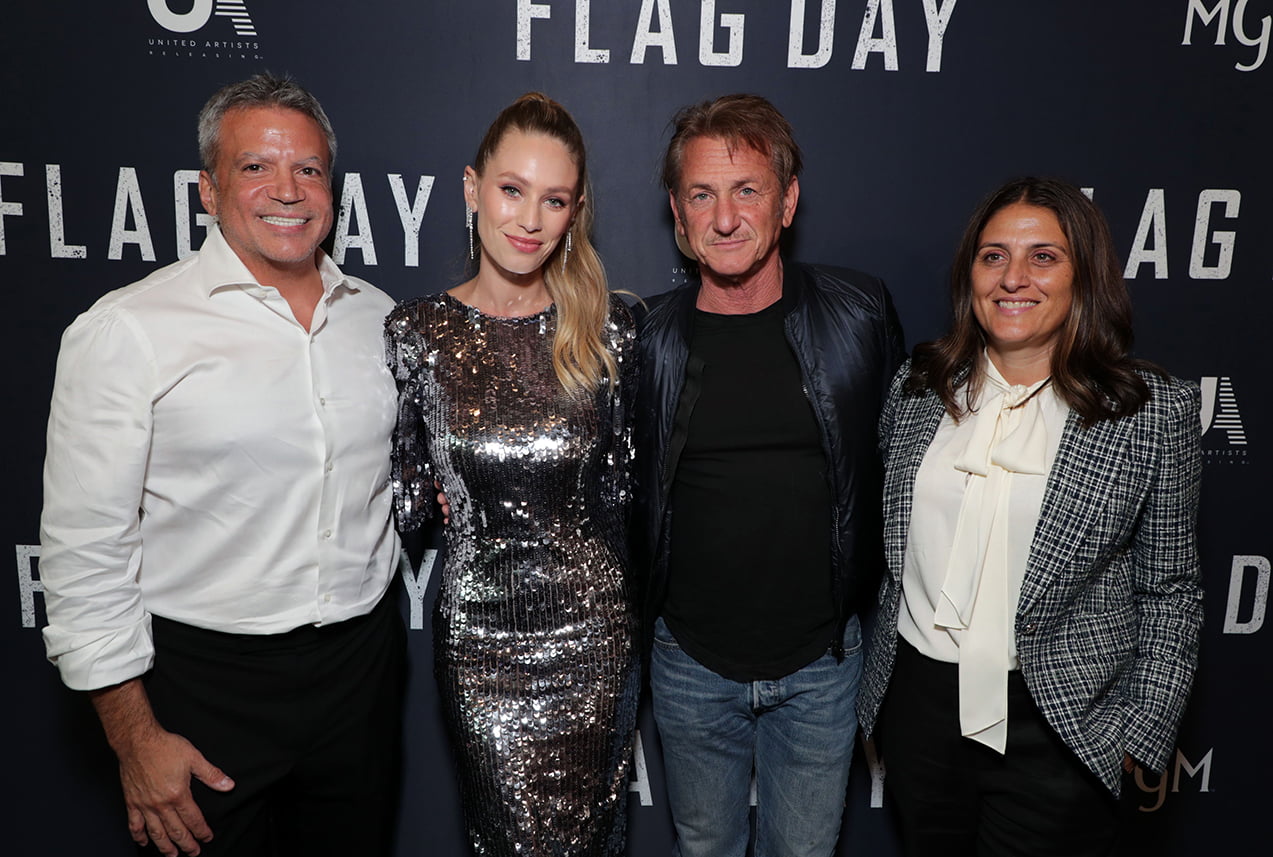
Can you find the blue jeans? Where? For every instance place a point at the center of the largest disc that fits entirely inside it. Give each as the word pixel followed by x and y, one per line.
pixel 795 733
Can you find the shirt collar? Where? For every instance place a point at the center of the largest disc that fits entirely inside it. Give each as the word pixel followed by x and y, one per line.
pixel 221 268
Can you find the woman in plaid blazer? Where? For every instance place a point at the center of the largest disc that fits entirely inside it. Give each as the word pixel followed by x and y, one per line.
pixel 1038 627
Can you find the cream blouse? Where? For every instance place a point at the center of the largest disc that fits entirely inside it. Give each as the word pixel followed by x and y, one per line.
pixel 977 498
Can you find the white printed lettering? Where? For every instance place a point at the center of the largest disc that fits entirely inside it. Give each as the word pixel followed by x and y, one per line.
pixel 796 57
pixel 128 198
pixel 28 584
pixel 646 38
pixel 1260 600
pixel 411 214
pixel 182 180
pixel 937 18
pixel 1152 219
pixel 639 781
pixel 526 12
pixel 885 44
pixel 353 207
pixel 58 248
pixel 9 209
pixel 733 23
pixel 183 22
pixel 1197 9
pixel 1198 269
pixel 1204 765
pixel 416 582
pixel 1261 41
pixel 876 766
pixel 583 19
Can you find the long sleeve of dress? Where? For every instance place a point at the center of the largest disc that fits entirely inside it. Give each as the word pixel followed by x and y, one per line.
pixel 617 470
pixel 412 473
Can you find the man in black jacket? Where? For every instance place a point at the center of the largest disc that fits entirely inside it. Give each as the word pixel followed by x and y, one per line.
pixel 761 385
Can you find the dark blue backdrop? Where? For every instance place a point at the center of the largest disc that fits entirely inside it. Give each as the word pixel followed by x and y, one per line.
pixel 908 111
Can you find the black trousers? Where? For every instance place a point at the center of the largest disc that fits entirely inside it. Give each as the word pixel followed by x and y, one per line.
pixel 953 796
pixel 307 723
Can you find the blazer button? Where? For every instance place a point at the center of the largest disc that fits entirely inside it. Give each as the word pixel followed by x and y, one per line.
pixel 1030 628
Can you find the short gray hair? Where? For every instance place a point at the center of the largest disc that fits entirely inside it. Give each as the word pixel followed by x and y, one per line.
pixel 259 90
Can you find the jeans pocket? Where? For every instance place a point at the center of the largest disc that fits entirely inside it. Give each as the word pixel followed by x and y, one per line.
pixel 663 637
pixel 852 636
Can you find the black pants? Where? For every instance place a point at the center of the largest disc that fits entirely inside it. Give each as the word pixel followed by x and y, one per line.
pixel 954 796
pixel 308 724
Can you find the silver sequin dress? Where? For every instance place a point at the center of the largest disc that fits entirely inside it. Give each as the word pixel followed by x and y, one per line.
pixel 535 633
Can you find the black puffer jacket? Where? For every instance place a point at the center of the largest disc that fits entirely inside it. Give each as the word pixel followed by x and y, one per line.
pixel 848 341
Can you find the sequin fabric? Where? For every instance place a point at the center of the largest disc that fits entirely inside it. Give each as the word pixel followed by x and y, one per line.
pixel 534 627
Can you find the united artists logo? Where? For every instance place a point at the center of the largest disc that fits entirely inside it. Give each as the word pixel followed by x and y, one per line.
pixel 1224 435
pixel 211 29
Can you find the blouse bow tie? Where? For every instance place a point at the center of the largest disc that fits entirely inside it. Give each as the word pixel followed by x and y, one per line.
pixel 1009 437
pixel 1011 416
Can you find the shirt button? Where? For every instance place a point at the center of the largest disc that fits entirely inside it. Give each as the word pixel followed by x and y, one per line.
pixel 322 400
pixel 327 599
pixel 329 467
pixel 327 534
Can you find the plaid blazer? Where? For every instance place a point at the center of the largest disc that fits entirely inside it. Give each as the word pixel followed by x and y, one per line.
pixel 1111 605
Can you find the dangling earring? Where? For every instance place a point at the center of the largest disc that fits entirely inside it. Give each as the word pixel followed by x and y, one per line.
pixel 468 219
pixel 566 255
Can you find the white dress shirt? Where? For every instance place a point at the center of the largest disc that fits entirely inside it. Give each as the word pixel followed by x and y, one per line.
pixel 211 461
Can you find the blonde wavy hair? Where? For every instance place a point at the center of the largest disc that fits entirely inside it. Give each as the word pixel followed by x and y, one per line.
pixel 580 356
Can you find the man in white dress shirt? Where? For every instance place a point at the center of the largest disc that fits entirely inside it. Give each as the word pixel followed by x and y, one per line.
pixel 216 534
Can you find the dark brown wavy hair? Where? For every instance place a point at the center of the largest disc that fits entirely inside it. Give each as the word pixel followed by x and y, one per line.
pixel 1092 368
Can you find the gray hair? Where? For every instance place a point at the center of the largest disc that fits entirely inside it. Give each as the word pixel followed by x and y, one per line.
pixel 259 90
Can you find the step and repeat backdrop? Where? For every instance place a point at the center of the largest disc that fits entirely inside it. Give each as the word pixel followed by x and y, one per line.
pixel 908 112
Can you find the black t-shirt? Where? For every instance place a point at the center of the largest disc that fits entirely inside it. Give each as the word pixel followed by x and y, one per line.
pixel 749 589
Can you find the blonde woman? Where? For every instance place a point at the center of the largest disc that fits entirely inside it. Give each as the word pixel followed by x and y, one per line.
pixel 514 396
